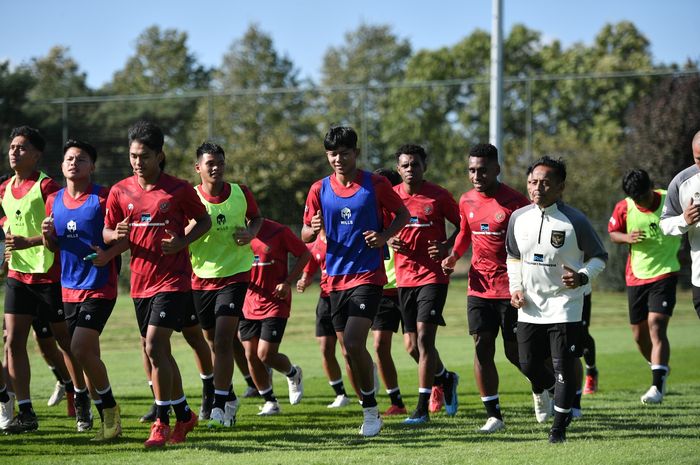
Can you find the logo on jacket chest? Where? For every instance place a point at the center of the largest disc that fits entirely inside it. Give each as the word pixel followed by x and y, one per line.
pixel 72 229
pixel 345 216
pixel 557 239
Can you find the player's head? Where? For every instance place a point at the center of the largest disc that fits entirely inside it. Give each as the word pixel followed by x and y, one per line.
pixel 340 137
pixel 79 159
pixel 86 147
pixel 146 149
pixel 26 146
pixel 211 162
pixel 210 148
pixel 393 177
pixel 341 150
pixel 637 184
pixel 411 163
pixel 483 168
pixel 696 148
pixel 546 179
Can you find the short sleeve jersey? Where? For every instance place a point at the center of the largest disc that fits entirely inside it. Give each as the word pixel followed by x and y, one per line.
pixel 317 249
pixel 169 205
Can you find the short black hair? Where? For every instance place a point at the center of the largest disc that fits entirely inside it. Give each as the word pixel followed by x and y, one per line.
pixel 636 183
pixel 484 151
pixel 150 135
pixel 82 145
pixel 412 149
pixel 32 135
pixel 210 147
pixel 340 136
pixel 393 177
pixel 557 165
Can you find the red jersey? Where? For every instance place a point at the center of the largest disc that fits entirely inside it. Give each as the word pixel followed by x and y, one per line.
pixel 484 223
pixel 271 248
pixel 317 249
pixel 618 223
pixel 48 187
pixel 386 200
pixel 429 208
pixel 169 205
pixel 109 290
pixel 252 211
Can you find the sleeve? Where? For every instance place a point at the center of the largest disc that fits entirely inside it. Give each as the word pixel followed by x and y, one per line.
pixel 513 262
pixel 386 196
pixel 618 220
pixel 672 221
pixel 252 209
pixel 512 248
pixel 594 254
pixel 191 205
pixel 113 213
pixel 48 187
pixel 49 204
pixel 313 202
pixel 312 265
pixel 294 245
pixel 464 237
pixel 102 196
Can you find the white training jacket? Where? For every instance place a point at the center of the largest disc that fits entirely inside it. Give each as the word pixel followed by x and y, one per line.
pixel 539 242
pixel 684 189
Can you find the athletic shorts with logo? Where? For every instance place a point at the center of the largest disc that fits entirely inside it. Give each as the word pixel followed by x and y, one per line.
pixel 656 297
pixel 422 304
pixel 268 329
pixel 537 342
pixel 324 321
pixel 388 317
pixel 41 300
pixel 361 301
pixel 173 310
pixel 227 301
pixel 490 315
pixel 92 314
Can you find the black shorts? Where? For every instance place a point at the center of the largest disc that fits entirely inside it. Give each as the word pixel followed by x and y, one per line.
pixel 537 342
pixel 41 300
pixel 490 315
pixel 91 313
pixel 422 304
pixel 227 301
pixel 324 322
pixel 696 300
pixel 361 301
pixel 656 297
pixel 586 315
pixel 42 328
pixel 269 329
pixel 388 315
pixel 165 310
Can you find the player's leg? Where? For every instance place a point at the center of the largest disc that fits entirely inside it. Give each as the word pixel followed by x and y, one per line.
pixel 533 352
pixel 662 300
pixel 385 324
pixel 562 337
pixel 250 332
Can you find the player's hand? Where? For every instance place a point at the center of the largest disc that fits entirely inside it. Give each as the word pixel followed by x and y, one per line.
pixel 636 236
pixel 282 290
pixel 302 284
pixel 48 230
pixel 102 257
pixel 448 264
pixel 317 222
pixel 571 278
pixel 242 236
pixel 437 250
pixel 517 299
pixel 122 229
pixel 373 239
pixel 691 214
pixel 398 245
pixel 13 242
pixel 173 243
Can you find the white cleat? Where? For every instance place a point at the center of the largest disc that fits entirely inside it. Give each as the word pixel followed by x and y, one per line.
pixel 296 386
pixel 652 396
pixel 7 411
pixel 492 425
pixel 250 391
pixel 216 419
pixel 544 406
pixel 270 408
pixel 372 424
pixel 230 412
pixel 59 392
pixel 341 400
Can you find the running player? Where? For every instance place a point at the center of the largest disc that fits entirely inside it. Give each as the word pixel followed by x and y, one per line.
pixel 420 247
pixel 348 204
pixel 75 218
pixel 151 209
pixel 221 262
pixel 485 211
pixel 266 311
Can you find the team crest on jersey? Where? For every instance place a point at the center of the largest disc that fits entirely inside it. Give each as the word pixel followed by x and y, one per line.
pixel 557 239
pixel 428 209
pixel 499 216
pixel 345 215
pixel 164 206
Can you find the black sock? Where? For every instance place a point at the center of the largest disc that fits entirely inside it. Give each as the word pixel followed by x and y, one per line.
pixel 292 373
pixel 69 386
pixel 162 413
pixel 231 393
pixel 339 388
pixel 249 381
pixel 26 407
pixel 4 396
pixel 208 387
pixel 368 399
pixel 182 410
pixel 220 398
pixel 107 398
pixel 440 379
pixel 82 395
pixel 423 399
pixel 57 374
pixel 577 400
pixel 658 375
pixel 561 420
pixel 592 371
pixel 100 407
pixel 493 408
pixel 396 398
pixel 269 396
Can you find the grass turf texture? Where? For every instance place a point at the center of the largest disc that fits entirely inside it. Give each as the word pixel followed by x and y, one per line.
pixel 616 427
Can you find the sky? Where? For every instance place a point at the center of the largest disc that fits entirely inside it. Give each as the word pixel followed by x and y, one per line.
pixel 102 35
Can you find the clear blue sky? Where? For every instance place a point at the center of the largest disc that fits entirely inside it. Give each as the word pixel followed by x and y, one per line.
pixel 101 35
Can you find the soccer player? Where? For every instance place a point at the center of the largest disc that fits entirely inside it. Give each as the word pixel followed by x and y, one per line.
pixel 681 214
pixel 650 273
pixel 485 211
pixel 552 252
pixel 151 209
pixel 75 218
pixel 221 262
pixel 266 311
pixel 32 286
pixel 348 205
pixel 420 247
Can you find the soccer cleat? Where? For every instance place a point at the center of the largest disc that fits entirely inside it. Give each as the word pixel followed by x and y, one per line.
pixel 150 416
pixel 372 423
pixel 296 386
pixel 207 405
pixel 437 399
pixel 250 391
pixel 341 400
pixel 112 423
pixel 395 410
pixel 492 425
pixel 182 428
pixel 652 396
pixel 591 386
pixel 59 392
pixel 83 414
pixel 216 419
pixel 576 413
pixel 160 433
pixel 7 411
pixel 269 408
pixel 451 400
pixel 224 418
pixel 100 435
pixel 230 411
pixel 23 423
pixel 70 404
pixel 556 435
pixel 417 418
pixel 543 406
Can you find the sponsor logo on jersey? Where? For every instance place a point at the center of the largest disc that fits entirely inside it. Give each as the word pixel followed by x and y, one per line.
pixel 413 220
pixel 220 219
pixel 538 258
pixel 345 215
pixel 256 258
pixel 145 217
pixel 484 227
pixel 557 239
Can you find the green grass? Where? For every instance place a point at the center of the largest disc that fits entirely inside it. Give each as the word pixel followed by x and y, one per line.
pixel 616 427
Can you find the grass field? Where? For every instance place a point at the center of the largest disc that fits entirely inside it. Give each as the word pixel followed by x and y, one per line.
pixel 616 427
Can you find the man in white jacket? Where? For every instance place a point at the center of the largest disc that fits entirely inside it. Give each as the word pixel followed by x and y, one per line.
pixel 553 252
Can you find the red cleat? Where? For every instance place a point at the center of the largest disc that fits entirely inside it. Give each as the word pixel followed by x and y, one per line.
pixel 182 428
pixel 437 399
pixel 395 410
pixel 591 386
pixel 160 433
pixel 70 403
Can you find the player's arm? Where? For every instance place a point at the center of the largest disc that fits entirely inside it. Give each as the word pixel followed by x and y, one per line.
pixel 390 201
pixel 313 220
pixel 617 227
pixel 676 219
pixel 299 250
pixel 461 243
pixel 514 266
pixel 440 250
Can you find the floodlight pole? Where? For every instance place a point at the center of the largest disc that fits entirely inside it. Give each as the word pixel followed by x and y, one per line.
pixel 496 98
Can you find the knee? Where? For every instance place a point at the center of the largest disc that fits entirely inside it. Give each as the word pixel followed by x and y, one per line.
pixel 264 355
pixel 382 346
pixel 155 350
pixel 484 346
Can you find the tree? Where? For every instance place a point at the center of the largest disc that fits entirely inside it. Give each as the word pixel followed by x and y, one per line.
pixel 14 89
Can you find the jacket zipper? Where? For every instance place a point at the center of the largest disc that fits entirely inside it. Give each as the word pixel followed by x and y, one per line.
pixel 539 235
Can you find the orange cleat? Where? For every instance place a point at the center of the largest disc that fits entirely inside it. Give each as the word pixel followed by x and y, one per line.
pixel 182 428
pixel 160 433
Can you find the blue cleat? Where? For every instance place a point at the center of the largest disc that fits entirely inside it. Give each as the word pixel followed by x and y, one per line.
pixel 417 418
pixel 451 401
